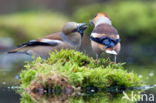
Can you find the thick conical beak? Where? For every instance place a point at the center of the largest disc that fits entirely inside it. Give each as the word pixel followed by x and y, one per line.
pixel 81 28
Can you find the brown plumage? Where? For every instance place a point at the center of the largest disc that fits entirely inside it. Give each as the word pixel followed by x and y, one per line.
pixel 54 36
pixel 105 29
pixel 105 36
pixel 69 38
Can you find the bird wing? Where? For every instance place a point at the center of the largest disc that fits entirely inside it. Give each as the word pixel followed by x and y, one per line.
pixel 50 40
pixel 107 41
pixel 105 30
pixel 107 38
pixel 54 36
pixel 39 43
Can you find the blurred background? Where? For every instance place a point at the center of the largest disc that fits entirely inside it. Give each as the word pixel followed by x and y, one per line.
pixel 23 20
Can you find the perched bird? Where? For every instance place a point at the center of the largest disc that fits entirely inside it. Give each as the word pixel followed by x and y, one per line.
pixel 104 37
pixel 69 38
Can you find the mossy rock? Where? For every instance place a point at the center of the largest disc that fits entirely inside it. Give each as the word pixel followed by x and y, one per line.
pixel 71 69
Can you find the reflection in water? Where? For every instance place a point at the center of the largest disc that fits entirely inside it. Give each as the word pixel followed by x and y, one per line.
pixel 61 96
pixel 147 87
pixel 10 67
pixel 8 95
pixel 73 98
pixel 64 97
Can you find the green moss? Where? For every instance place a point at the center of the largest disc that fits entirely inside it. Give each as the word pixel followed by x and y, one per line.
pixel 26 98
pixel 77 69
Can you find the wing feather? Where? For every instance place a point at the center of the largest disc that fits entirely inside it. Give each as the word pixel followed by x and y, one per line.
pixel 39 43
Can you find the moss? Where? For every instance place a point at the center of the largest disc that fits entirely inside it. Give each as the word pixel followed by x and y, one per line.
pixel 75 69
pixel 57 79
pixel 26 98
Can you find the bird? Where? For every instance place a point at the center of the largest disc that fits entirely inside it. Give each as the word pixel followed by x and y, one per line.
pixel 69 38
pixel 104 37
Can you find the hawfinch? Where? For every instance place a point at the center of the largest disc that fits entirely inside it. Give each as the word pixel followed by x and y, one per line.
pixel 69 38
pixel 104 37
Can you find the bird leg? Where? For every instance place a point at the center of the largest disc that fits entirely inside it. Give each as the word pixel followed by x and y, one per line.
pixel 115 58
pixel 97 56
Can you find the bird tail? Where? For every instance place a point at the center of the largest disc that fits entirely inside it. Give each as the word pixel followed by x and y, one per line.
pixel 13 51
pixel 18 50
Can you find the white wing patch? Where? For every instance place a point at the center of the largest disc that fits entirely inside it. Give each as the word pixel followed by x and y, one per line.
pixel 50 40
pixel 111 52
pixel 95 35
pixel 98 35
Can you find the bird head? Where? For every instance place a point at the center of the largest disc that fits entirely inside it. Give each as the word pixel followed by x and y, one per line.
pixel 100 18
pixel 72 27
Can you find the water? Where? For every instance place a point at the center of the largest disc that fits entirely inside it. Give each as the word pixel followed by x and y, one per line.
pixel 14 94
pixel 9 96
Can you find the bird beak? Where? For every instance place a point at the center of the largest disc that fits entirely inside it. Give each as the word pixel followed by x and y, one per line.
pixel 81 28
pixel 91 22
